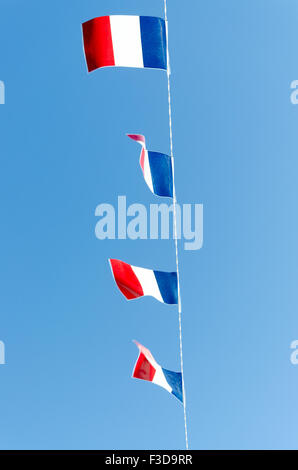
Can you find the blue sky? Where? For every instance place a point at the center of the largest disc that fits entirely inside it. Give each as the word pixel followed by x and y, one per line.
pixel 67 382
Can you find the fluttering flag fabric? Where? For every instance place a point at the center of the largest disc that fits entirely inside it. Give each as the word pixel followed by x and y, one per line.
pixel 146 368
pixel 157 169
pixel 135 282
pixel 125 41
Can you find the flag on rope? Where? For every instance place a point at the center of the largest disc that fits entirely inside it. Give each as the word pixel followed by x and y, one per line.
pixel 136 282
pixel 146 368
pixel 157 169
pixel 125 41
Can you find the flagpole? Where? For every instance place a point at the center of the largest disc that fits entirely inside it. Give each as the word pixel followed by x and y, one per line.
pixel 175 224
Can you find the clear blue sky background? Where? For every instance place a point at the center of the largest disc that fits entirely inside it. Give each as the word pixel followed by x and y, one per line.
pixel 67 382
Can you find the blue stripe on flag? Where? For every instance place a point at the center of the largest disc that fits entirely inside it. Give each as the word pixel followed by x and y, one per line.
pixel 168 286
pixel 161 173
pixel 154 42
pixel 174 380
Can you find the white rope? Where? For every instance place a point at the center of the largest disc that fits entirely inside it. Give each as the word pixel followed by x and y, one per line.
pixel 175 225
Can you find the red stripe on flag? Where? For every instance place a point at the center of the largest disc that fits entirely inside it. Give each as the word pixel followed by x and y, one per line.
pixel 98 43
pixel 126 279
pixel 142 159
pixel 143 369
pixel 137 137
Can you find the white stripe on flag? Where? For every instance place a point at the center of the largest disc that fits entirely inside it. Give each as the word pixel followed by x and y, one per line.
pixel 147 171
pixel 148 282
pixel 159 379
pixel 127 42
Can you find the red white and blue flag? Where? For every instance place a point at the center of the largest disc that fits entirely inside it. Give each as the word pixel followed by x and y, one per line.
pixel 135 282
pixel 146 368
pixel 157 169
pixel 125 41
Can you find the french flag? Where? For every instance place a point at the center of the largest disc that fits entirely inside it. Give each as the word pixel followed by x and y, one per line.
pixel 146 368
pixel 136 282
pixel 157 169
pixel 125 41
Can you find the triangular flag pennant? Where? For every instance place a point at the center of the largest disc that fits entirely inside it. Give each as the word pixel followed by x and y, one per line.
pixel 136 282
pixel 146 368
pixel 125 41
pixel 157 169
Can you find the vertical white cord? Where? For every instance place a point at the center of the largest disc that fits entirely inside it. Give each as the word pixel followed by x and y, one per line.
pixel 175 225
